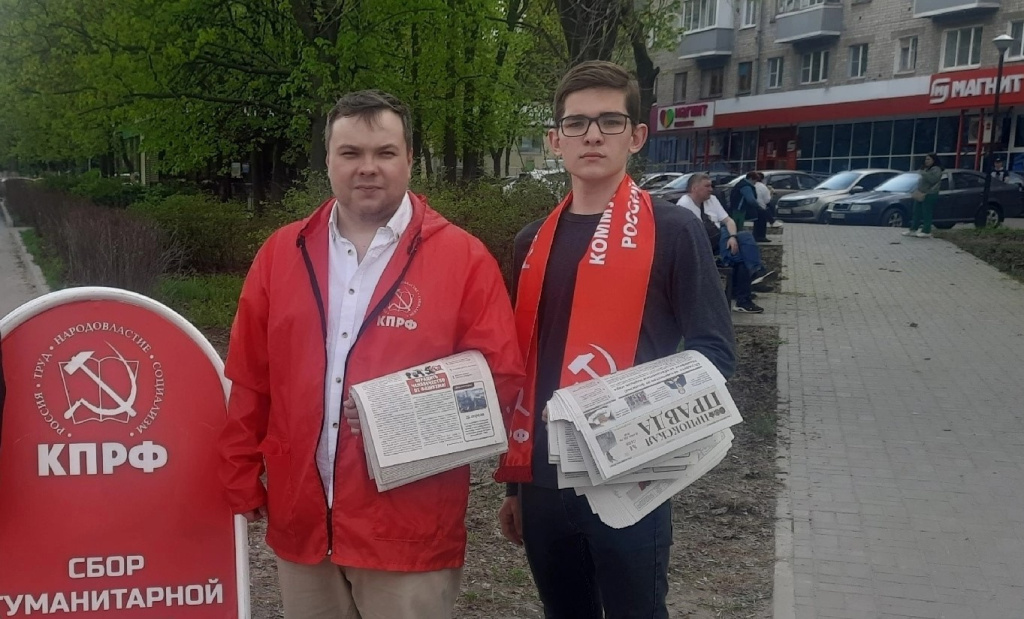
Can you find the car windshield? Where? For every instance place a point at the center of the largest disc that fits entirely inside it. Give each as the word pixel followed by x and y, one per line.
pixel 678 183
pixel 843 180
pixel 904 183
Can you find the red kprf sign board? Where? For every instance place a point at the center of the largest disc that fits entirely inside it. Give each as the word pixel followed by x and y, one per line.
pixel 109 499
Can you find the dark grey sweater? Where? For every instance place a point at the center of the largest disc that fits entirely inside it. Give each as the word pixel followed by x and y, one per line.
pixel 685 302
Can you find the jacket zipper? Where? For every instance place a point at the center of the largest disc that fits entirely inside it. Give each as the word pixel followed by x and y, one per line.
pixel 370 317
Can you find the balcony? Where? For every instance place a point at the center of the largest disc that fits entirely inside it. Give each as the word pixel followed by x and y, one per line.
pixel 707 43
pixel 959 8
pixel 816 22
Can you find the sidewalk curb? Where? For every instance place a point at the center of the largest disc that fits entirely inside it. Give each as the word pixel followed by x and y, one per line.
pixel 32 271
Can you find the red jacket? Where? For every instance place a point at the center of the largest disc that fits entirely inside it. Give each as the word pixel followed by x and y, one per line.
pixel 451 289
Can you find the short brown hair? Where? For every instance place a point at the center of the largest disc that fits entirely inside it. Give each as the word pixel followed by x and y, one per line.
pixel 599 74
pixel 368 105
pixel 695 178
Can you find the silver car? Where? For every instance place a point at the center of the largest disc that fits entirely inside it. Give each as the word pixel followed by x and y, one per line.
pixel 811 205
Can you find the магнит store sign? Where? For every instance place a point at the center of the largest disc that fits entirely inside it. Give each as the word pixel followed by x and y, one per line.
pixel 699 115
pixel 976 88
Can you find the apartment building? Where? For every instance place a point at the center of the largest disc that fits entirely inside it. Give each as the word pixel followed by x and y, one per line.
pixel 831 85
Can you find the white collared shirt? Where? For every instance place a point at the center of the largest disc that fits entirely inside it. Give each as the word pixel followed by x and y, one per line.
pixel 351 286
pixel 712 208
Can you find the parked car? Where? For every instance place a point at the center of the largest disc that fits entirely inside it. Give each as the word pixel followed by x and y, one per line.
pixel 811 204
pixel 657 180
pixel 959 201
pixel 673 190
pixel 556 180
pixel 781 182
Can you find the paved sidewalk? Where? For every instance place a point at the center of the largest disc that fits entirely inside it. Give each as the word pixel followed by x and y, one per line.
pixel 903 371
pixel 15 288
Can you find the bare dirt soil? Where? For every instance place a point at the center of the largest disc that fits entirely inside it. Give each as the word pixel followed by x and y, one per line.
pixel 724 545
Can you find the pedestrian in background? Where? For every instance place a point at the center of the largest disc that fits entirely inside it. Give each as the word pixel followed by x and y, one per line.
pixel 925 195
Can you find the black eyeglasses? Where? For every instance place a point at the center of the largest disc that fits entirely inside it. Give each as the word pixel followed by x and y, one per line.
pixel 611 123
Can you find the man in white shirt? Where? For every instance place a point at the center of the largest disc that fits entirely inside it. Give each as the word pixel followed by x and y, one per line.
pixel 767 214
pixel 736 249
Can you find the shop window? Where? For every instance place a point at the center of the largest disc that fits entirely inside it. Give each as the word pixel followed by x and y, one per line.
pixel 924 135
pixel 1018 138
pixel 735 145
pixel 804 165
pixel 841 140
pixel 805 141
pixel 858 163
pixel 745 74
pixel 879 162
pixel 902 137
pixel 948 126
pixel 881 138
pixel 823 141
pixel 900 163
pixel 962 48
pixel 821 166
pixel 840 164
pixel 861 139
pixel 750 144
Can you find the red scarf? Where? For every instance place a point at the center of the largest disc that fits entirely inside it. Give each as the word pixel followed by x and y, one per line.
pixel 608 307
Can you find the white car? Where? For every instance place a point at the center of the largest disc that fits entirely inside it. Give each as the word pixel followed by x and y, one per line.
pixel 812 204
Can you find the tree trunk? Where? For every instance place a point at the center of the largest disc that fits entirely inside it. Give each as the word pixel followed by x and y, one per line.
pixel 278 172
pixel 257 180
pixel 508 159
pixel 496 162
pixel 646 71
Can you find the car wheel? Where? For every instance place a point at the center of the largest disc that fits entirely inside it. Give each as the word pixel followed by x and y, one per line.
pixel 945 226
pixel 988 217
pixel 893 217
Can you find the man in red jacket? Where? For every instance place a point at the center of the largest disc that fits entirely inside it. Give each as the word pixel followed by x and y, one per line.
pixel 374 281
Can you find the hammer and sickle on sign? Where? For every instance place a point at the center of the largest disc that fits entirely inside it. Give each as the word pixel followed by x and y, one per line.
pixel 124 405
pixel 582 362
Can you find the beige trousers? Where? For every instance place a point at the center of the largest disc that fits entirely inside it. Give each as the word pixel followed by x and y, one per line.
pixel 329 591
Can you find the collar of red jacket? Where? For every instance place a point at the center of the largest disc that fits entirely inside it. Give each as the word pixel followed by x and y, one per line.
pixel 424 224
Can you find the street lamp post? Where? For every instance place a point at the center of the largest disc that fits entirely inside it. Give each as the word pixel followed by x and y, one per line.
pixel 1002 43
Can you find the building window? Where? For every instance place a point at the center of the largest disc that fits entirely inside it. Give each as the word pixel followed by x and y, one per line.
pixel 785 6
pixel 699 14
pixel 906 56
pixel 712 81
pixel 1016 51
pixel 814 67
pixel 679 88
pixel 750 10
pixel 858 60
pixel 745 75
pixel 962 48
pixel 775 72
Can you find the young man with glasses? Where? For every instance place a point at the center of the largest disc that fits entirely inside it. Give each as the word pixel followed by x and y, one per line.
pixel 613 272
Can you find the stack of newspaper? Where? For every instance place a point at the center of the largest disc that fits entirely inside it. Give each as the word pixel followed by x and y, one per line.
pixel 630 440
pixel 429 419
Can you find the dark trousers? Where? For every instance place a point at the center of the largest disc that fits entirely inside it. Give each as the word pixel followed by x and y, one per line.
pixel 741 282
pixel 581 565
pixel 764 217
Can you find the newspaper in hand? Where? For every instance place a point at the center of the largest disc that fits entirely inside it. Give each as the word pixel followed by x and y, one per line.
pixel 429 418
pixel 630 440
pixel 646 412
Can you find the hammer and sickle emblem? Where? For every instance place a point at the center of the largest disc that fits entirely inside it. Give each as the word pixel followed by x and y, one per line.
pixel 582 362
pixel 124 405
pixel 403 301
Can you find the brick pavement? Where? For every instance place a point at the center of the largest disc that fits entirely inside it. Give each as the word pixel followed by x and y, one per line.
pixel 17 283
pixel 902 369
